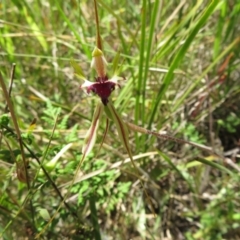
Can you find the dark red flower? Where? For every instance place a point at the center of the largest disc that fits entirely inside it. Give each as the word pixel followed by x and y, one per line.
pixel 102 86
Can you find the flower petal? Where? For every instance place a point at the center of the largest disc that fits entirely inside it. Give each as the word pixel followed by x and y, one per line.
pixel 115 80
pixel 91 135
pixel 87 84
pixel 121 128
pixel 99 62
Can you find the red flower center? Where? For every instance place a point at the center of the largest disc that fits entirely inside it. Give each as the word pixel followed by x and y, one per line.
pixel 102 88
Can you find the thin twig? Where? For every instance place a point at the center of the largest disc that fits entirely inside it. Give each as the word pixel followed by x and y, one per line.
pixel 182 141
pixel 10 85
pixel 15 123
pixel 98 38
pixel 9 94
pixel 169 137
pixel 206 173
pixel 19 137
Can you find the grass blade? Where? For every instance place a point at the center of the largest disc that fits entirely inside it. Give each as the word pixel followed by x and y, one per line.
pixel 178 58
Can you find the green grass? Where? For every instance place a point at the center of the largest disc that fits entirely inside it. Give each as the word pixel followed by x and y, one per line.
pixel 180 61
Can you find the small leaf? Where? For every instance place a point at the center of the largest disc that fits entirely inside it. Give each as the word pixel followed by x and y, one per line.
pixel 4 120
pixel 215 165
pixel 91 135
pixel 21 171
pixel 77 69
pixel 27 137
pixel 51 165
pixel 44 214
pixel 32 126
pixel 115 63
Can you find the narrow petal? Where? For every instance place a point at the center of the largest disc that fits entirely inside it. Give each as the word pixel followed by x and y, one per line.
pixel 122 129
pixel 116 78
pixel 91 135
pixel 123 135
pixel 87 84
pixel 104 135
pixel 99 62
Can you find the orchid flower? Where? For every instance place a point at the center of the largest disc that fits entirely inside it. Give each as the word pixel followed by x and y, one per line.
pixel 103 87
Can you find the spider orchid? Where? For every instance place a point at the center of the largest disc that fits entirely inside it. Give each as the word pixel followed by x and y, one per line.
pixel 103 87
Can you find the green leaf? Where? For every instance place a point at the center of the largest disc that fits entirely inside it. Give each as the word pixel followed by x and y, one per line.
pixel 51 165
pixel 215 165
pixel 4 120
pixel 77 69
pixel 35 29
pixel 179 57
pixel 115 64
pixel 44 214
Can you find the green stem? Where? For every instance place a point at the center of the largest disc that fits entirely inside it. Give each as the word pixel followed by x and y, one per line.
pixel 94 217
